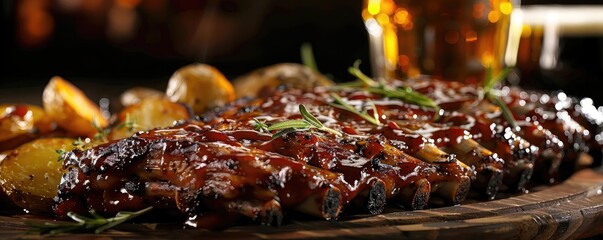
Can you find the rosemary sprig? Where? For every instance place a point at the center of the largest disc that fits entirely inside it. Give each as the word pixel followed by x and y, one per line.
pixel 491 81
pixel 307 56
pixel 82 144
pixel 78 142
pixel 60 152
pixel 375 112
pixel 340 103
pixel 309 117
pixel 505 111
pixel 404 93
pixel 259 125
pixel 283 132
pixel 307 122
pixel 95 223
pixel 297 124
pixel 496 98
pixel 101 134
pixel 129 124
pixel 356 72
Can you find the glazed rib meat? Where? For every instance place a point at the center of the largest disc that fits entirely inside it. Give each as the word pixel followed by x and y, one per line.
pixel 562 127
pixel 198 173
pixel 227 166
pixel 408 124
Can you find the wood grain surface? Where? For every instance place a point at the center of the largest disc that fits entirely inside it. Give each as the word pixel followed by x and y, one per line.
pixel 570 210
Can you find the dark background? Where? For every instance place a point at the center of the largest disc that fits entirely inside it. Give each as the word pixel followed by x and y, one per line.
pixel 86 43
pixel 234 36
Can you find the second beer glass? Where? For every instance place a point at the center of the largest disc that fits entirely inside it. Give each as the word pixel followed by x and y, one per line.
pixel 453 40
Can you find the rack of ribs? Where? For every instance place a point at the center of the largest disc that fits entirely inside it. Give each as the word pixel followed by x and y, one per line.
pixel 223 167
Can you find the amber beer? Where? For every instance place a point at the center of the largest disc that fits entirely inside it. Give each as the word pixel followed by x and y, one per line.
pixel 453 40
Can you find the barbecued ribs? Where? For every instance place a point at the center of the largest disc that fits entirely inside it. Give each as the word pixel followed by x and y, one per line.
pixel 223 167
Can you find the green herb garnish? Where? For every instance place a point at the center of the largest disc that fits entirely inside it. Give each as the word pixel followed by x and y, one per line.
pixel 101 134
pixel 307 122
pixel 259 125
pixel 96 223
pixel 340 103
pixel 78 142
pixel 505 111
pixel 81 144
pixel 356 72
pixel 307 57
pixel 129 124
pixel 496 98
pixel 491 81
pixel 60 152
pixel 404 93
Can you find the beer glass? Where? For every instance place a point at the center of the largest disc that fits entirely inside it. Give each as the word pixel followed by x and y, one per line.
pixel 538 49
pixel 454 40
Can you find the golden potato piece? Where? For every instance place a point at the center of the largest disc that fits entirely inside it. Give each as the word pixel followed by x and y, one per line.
pixel 149 113
pixel 20 123
pixel 31 173
pixel 200 86
pixel 268 78
pixel 71 108
pixel 5 202
pixel 136 94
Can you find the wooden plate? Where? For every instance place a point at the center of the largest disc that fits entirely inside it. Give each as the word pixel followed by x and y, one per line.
pixel 570 210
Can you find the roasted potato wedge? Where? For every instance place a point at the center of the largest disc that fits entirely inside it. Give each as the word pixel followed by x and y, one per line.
pixel 268 78
pixel 20 123
pixel 71 108
pixel 5 202
pixel 136 94
pixel 30 174
pixel 149 113
pixel 200 86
